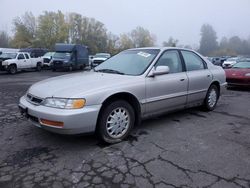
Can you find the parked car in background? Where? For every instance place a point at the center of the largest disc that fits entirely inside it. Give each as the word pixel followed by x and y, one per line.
pixel 223 59
pixel 117 94
pixel 35 53
pixel 5 56
pixel 99 58
pixel 70 57
pixel 230 62
pixel 239 74
pixel 215 60
pixel 19 61
pixel 8 50
pixel 47 58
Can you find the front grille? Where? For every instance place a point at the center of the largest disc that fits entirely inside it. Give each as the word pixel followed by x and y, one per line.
pixel 57 62
pixel 33 99
pixel 46 60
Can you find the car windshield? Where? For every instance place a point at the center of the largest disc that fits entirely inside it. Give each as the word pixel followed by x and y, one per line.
pixel 232 59
pixel 62 55
pixel 49 54
pixel 102 55
pixel 8 55
pixel 130 62
pixel 242 65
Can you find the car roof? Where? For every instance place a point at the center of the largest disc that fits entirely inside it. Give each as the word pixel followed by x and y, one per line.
pixel 160 48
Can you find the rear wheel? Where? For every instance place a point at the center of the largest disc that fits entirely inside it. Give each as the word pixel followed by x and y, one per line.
pixel 38 67
pixel 211 98
pixel 12 69
pixel 116 121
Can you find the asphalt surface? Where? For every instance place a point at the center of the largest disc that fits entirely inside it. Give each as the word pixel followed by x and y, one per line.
pixel 190 148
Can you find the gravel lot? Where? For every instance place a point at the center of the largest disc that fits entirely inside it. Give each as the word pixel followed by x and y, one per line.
pixel 190 148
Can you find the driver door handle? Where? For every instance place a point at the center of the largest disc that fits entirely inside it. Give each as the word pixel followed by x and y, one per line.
pixel 182 79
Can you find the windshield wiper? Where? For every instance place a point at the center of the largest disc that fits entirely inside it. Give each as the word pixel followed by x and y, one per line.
pixel 109 71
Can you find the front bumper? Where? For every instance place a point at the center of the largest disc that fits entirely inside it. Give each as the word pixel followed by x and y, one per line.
pixel 75 121
pixel 3 67
pixel 97 62
pixel 238 82
pixel 46 64
pixel 225 66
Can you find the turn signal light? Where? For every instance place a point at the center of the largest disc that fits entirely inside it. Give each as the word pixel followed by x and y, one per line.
pixel 51 123
pixel 79 103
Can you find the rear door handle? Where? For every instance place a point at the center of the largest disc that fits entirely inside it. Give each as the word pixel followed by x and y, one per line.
pixel 182 79
pixel 208 75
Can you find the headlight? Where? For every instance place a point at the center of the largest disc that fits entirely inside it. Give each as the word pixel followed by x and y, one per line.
pixel 64 103
pixel 5 63
pixel 247 74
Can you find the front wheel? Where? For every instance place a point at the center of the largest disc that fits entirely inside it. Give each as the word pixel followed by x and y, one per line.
pixel 211 98
pixel 12 69
pixel 82 67
pixel 115 122
pixel 70 68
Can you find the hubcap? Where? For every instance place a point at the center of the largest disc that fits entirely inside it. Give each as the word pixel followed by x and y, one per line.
pixel 12 70
pixel 212 98
pixel 117 122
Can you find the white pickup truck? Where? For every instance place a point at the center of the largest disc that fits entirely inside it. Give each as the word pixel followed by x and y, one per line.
pixel 13 62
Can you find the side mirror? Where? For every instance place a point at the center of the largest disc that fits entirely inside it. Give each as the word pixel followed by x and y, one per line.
pixel 159 70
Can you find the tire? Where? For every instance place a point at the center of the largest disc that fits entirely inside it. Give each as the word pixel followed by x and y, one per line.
pixel 211 98
pixel 12 69
pixel 82 67
pixel 123 117
pixel 70 68
pixel 91 66
pixel 38 67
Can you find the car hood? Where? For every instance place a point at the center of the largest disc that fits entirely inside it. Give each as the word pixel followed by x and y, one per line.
pixel 78 84
pixel 8 61
pixel 99 58
pixel 3 59
pixel 236 72
pixel 60 59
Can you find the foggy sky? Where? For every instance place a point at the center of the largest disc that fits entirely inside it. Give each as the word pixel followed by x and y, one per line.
pixel 181 19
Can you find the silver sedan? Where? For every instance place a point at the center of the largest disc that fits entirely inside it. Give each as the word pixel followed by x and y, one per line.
pixel 119 93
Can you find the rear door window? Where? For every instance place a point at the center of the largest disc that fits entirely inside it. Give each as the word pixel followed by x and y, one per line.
pixel 26 55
